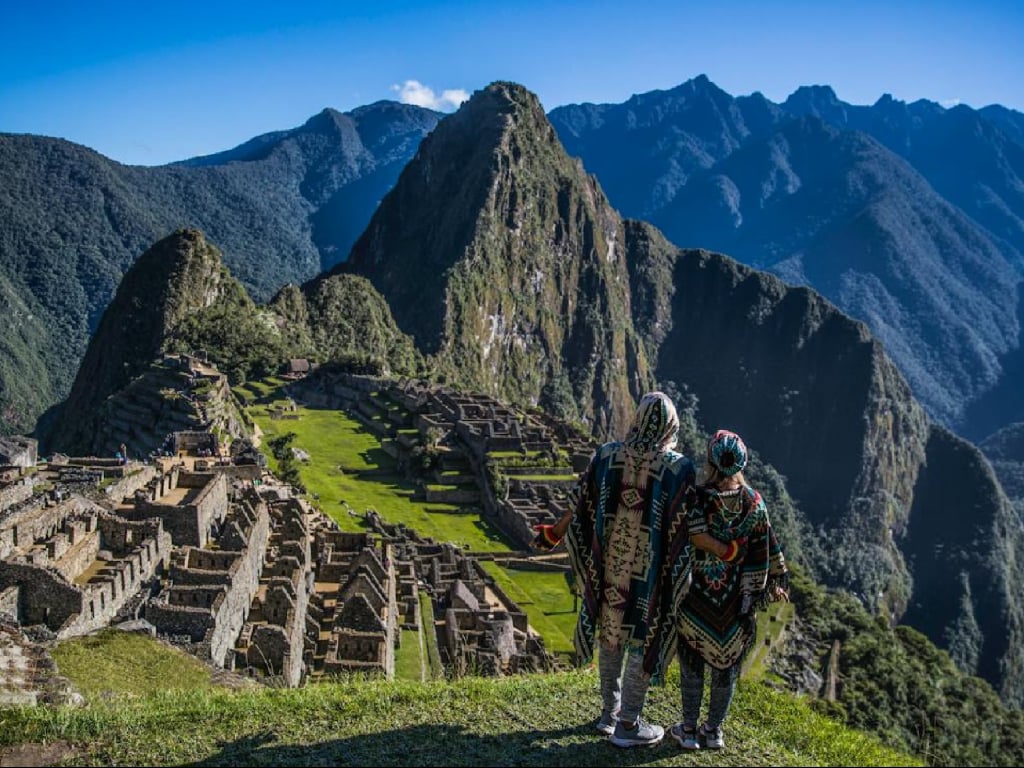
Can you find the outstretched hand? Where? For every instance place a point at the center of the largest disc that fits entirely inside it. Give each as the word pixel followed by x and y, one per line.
pixel 546 539
pixel 735 550
pixel 778 594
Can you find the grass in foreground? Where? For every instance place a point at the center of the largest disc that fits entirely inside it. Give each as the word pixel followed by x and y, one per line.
pixel 527 720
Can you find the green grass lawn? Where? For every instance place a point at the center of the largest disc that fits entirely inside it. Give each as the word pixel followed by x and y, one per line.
pixel 409 656
pixel 770 626
pixel 347 465
pixel 545 598
pixel 113 662
pixel 520 720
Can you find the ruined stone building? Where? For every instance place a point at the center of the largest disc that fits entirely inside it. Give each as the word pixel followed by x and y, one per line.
pixel 73 567
pixel 272 641
pixel 357 603
pixel 480 629
pixel 18 451
pixel 208 591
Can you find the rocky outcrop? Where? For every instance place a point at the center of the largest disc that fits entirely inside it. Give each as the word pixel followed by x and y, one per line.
pixel 504 261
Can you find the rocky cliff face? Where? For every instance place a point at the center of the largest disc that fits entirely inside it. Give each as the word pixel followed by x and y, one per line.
pixel 966 553
pixel 807 387
pixel 178 276
pixel 505 263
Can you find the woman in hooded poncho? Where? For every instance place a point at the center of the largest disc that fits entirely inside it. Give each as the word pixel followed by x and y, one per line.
pixel 629 546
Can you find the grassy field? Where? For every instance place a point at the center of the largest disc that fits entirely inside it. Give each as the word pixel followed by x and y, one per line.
pixel 522 720
pixel 409 656
pixel 545 598
pixel 113 663
pixel 348 466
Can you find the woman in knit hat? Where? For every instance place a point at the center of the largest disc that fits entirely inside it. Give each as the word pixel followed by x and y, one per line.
pixel 717 623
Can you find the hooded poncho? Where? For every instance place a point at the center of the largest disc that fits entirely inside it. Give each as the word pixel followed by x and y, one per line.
pixel 628 541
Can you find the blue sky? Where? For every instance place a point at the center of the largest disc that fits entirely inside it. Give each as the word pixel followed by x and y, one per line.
pixel 151 85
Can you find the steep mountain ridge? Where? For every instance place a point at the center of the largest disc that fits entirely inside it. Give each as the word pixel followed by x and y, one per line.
pixel 176 278
pixel 833 209
pixel 941 205
pixel 502 259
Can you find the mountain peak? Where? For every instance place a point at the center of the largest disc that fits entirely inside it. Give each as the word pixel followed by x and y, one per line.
pixel 490 227
pixel 330 122
pixel 818 100
pixel 176 277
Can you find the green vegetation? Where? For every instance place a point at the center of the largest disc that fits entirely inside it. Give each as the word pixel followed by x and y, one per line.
pixel 347 466
pixel 896 682
pixel 409 656
pixel 527 719
pixel 112 663
pixel 544 595
pixel 435 668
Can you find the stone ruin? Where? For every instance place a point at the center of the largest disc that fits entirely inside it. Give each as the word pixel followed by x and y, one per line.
pixel 207 551
pixel 245 576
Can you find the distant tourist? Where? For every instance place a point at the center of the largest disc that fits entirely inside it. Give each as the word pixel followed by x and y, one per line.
pixel 717 625
pixel 630 550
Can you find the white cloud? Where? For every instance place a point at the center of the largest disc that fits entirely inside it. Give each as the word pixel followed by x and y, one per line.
pixel 949 103
pixel 415 92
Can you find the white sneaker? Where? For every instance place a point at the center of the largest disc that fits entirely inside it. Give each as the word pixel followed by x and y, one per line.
pixel 642 734
pixel 687 739
pixel 606 723
pixel 713 737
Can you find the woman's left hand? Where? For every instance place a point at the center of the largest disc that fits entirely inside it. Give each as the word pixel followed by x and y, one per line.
pixel 778 594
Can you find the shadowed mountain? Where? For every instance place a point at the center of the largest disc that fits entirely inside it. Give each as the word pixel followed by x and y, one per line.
pixel 283 207
pixel 881 487
pixel 838 211
pixel 965 548
pixel 503 260
pixel 917 232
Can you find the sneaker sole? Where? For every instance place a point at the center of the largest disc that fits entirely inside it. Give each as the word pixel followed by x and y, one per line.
pixel 627 743
pixel 692 747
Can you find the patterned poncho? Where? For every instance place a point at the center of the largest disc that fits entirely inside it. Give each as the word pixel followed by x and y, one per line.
pixel 628 541
pixel 717 619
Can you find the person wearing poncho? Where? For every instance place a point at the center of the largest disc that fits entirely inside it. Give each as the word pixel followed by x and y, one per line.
pixel 717 624
pixel 629 547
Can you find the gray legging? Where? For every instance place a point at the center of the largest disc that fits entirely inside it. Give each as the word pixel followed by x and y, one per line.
pixel 723 685
pixel 622 690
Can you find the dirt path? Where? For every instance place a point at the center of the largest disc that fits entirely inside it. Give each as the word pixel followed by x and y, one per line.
pixel 36 754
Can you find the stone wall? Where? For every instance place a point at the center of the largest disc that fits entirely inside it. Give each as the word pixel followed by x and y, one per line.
pixel 209 593
pixel 13 494
pixel 138 476
pixel 189 523
pixel 9 603
pixel 45 595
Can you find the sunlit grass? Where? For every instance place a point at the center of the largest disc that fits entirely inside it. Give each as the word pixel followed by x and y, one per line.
pixel 113 662
pixel 519 720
